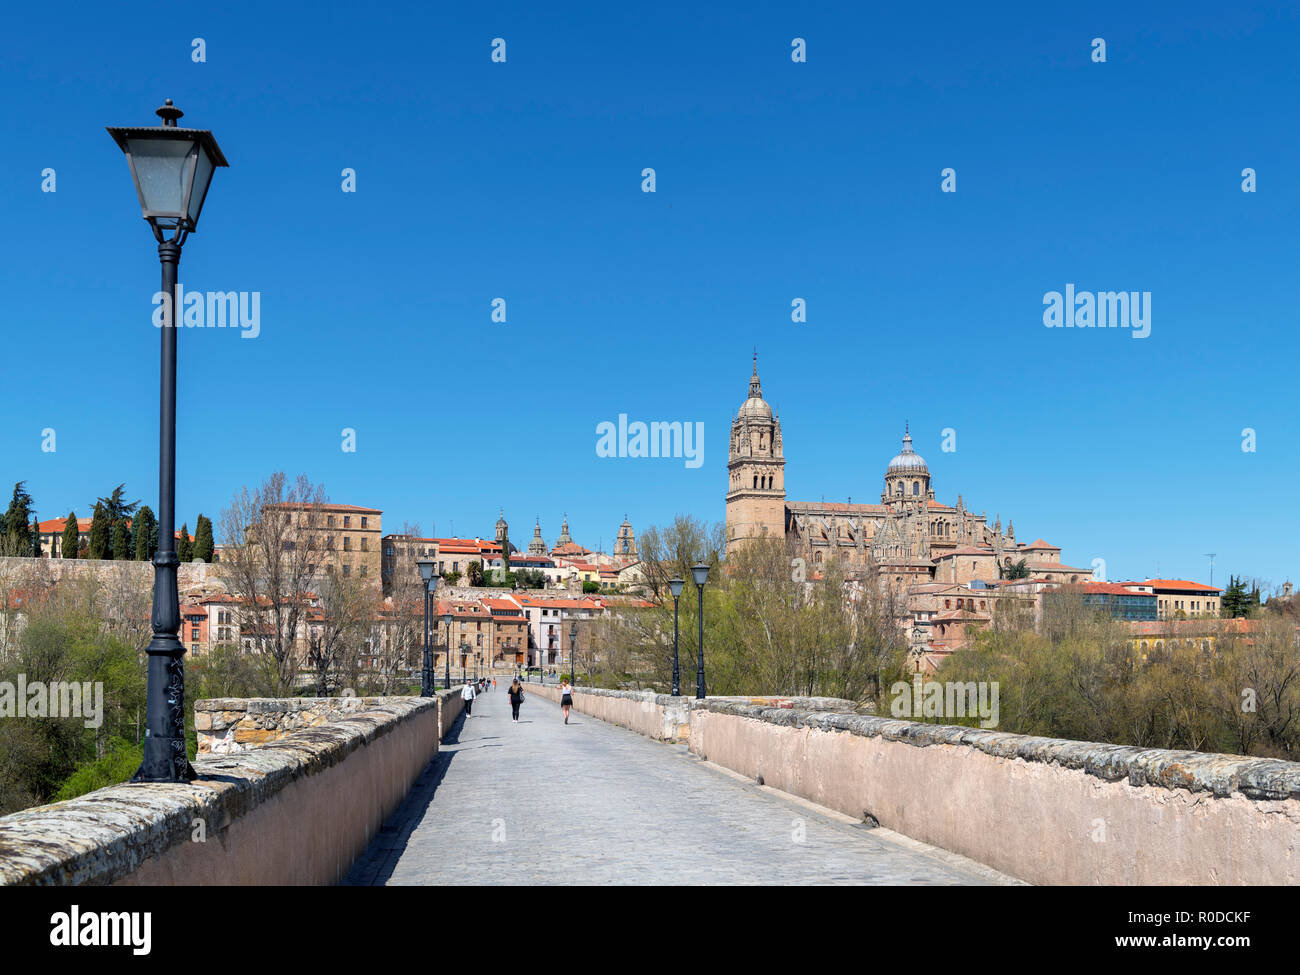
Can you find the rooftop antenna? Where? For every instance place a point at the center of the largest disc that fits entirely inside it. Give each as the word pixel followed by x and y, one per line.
pixel 1211 555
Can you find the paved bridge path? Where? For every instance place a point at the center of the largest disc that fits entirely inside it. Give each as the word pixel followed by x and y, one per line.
pixel 540 802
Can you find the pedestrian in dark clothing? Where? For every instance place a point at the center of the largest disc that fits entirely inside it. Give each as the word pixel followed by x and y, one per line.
pixel 516 699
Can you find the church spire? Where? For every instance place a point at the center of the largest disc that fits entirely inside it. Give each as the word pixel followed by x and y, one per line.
pixel 755 388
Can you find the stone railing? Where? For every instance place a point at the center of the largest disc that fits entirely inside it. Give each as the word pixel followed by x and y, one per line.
pixel 294 810
pixel 1048 811
pixel 234 724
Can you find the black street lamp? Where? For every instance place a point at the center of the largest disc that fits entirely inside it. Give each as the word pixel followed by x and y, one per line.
pixel 430 576
pixel 700 572
pixel 446 619
pixel 573 643
pixel 172 169
pixel 464 660
pixel 676 585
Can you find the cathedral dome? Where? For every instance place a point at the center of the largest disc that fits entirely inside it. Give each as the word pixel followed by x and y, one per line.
pixel 908 461
pixel 755 406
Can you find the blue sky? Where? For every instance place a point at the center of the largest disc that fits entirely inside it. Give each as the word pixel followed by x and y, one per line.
pixel 775 180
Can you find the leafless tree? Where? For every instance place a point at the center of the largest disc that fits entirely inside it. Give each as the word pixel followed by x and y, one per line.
pixel 278 543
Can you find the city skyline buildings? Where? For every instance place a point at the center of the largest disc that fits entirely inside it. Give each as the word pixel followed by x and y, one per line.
pixel 818 181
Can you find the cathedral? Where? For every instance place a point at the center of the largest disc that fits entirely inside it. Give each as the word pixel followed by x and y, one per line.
pixel 907 538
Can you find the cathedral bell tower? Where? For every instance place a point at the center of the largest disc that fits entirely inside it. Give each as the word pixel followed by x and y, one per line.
pixel 755 469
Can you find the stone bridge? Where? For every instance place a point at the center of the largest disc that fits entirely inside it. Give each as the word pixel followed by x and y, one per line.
pixel 646 789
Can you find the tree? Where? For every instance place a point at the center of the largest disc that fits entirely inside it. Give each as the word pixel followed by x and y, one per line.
pixel 99 533
pixel 1238 600
pixel 144 534
pixel 18 522
pixel 475 570
pixel 121 541
pixel 337 631
pixel 36 538
pixel 71 536
pixel 1018 570
pixel 116 506
pixel 184 547
pixel 277 542
pixel 204 545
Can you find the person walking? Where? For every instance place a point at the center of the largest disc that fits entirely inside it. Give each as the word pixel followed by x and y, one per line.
pixel 516 699
pixel 467 695
pixel 566 699
pixel 494 685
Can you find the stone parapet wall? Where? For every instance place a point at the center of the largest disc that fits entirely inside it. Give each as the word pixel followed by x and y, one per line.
pixel 1048 811
pixel 297 810
pixel 227 725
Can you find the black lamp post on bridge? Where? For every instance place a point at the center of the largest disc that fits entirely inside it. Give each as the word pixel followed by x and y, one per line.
pixel 172 169
pixel 676 585
pixel 429 573
pixel 446 619
pixel 700 572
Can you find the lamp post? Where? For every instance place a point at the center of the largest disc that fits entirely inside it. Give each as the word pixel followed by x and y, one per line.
pixel 573 644
pixel 430 577
pixel 446 619
pixel 172 169
pixel 464 659
pixel 676 585
pixel 700 572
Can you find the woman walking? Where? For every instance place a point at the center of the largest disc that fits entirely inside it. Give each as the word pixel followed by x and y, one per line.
pixel 467 695
pixel 516 699
pixel 566 699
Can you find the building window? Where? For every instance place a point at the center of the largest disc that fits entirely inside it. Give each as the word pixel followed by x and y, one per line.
pixel 347 570
pixel 363 521
pixel 347 521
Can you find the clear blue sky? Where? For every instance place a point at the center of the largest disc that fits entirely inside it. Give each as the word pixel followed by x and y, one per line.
pixel 775 180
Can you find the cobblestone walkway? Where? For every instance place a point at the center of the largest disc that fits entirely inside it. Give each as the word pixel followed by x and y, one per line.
pixel 540 802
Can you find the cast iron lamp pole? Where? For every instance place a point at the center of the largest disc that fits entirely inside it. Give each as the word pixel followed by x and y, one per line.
pixel 446 618
pixel 464 659
pixel 428 574
pixel 700 572
pixel 172 169
pixel 676 585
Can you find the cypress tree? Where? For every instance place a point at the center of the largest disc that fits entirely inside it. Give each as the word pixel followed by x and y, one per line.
pixel 204 545
pixel 184 549
pixel 36 538
pixel 18 521
pixel 140 536
pixel 121 541
pixel 99 533
pixel 70 536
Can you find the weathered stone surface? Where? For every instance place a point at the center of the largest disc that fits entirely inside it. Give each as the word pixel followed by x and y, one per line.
pixel 106 835
pixel 1194 772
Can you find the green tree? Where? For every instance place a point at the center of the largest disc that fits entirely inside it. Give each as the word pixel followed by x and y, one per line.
pixel 144 534
pixel 71 536
pixel 204 546
pixel 116 506
pixel 36 538
pixel 100 532
pixel 121 541
pixel 475 570
pixel 184 547
pixel 18 522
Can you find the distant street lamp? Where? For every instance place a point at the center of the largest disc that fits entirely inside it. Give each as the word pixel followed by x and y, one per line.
pixel 429 574
pixel 446 619
pixel 172 169
pixel 464 661
pixel 700 572
pixel 573 644
pixel 676 585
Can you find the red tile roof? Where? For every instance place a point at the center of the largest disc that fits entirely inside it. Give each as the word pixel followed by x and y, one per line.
pixel 1180 585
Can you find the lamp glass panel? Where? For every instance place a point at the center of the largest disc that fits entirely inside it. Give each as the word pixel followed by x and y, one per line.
pixel 202 178
pixel 677 585
pixel 161 173
pixel 701 574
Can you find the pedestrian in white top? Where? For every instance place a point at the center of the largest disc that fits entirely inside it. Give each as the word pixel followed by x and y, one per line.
pixel 566 699
pixel 467 695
